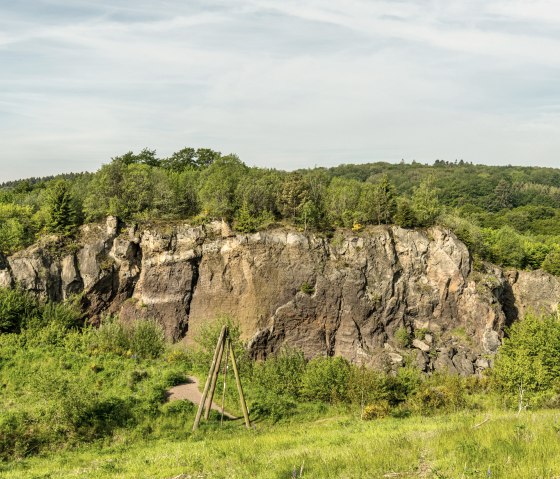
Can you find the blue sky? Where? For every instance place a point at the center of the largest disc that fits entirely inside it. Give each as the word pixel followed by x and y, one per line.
pixel 283 84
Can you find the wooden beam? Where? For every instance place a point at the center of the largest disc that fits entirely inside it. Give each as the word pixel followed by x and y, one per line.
pixel 239 387
pixel 215 378
pixel 223 333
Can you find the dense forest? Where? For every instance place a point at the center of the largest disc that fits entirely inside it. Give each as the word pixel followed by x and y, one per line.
pixel 508 215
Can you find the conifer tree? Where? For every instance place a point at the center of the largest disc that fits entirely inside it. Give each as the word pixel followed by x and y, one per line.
pixel 61 209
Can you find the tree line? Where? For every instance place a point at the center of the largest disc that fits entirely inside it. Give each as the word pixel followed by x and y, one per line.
pixel 508 215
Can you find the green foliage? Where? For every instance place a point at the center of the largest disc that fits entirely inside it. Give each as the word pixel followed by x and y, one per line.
pixel 376 410
pixel 529 358
pixel 61 208
pixel 218 185
pixel 246 223
pixel 440 392
pixel 140 339
pixel 206 339
pixel 60 389
pixel 277 384
pixel 551 262
pixel 508 215
pixel 147 339
pixel 425 203
pixel 307 288
pixel 17 307
pixel 111 337
pixel 326 379
pixel 343 197
pixel 367 386
pixel 404 215
pixel 402 337
pixel 17 226
pixel 507 247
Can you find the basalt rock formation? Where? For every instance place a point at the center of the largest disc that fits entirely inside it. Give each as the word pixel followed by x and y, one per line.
pixel 373 297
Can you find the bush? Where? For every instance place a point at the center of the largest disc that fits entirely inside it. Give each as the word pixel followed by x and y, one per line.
pixel 277 383
pixel 207 338
pixel 376 410
pixel 440 392
pixel 143 339
pixel 66 315
pixel 326 379
pixel 17 307
pixel 529 357
pixel 182 408
pixel 404 384
pixel 281 374
pixel 367 386
pixel 19 435
pixel 402 338
pixel 307 288
pixel 551 263
pixel 110 337
pixel 147 340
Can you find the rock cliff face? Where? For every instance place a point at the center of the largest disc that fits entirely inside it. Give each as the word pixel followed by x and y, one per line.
pixel 372 297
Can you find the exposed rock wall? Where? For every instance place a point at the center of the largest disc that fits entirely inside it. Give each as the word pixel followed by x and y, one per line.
pixel 355 295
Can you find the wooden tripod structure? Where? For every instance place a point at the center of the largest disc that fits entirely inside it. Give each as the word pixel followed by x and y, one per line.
pixel 223 344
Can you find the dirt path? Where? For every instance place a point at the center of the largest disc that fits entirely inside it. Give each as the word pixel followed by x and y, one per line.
pixel 190 392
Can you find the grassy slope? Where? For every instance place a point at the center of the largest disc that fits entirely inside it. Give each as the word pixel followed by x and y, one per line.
pixel 337 447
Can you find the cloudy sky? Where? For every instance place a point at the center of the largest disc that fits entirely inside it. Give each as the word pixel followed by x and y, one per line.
pixel 284 83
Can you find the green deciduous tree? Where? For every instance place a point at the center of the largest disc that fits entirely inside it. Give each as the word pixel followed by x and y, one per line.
pixel 425 203
pixel 530 356
pixel 342 201
pixel 218 185
pixel 551 263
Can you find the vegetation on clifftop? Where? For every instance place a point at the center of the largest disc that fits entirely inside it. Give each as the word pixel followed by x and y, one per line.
pixel 508 215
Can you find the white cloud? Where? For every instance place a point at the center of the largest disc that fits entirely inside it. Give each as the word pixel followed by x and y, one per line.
pixel 285 84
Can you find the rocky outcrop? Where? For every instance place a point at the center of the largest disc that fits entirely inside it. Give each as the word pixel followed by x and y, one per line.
pixel 374 297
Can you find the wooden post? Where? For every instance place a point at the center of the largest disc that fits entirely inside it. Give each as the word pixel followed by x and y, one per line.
pixel 239 387
pixel 215 377
pixel 208 380
pixel 225 379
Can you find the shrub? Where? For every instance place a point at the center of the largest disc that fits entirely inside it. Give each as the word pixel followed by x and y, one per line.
pixel 376 410
pixel 440 392
pixel 19 435
pixel 110 337
pixel 551 263
pixel 273 406
pixel 403 384
pixel 326 379
pixel 277 383
pixel 181 408
pixel 17 307
pixel 147 340
pixel 366 386
pixel 281 374
pixel 529 357
pixel 402 338
pixel 66 315
pixel 207 337
pixel 307 288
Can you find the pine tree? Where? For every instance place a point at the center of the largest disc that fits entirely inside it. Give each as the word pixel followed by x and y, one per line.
pixel 61 209
pixel 246 223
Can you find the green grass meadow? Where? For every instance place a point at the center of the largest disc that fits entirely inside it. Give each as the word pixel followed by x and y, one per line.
pixel 446 446
pixel 83 402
